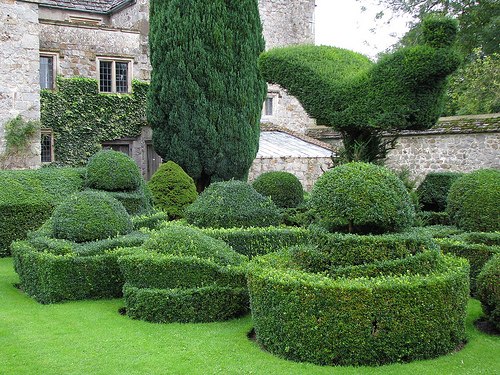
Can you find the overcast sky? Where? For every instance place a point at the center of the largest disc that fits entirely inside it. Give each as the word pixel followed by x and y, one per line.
pixel 341 23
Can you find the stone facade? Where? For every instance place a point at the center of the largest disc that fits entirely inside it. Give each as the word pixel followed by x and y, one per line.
pixel 19 87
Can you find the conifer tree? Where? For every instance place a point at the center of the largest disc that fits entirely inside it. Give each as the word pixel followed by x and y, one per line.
pixel 206 92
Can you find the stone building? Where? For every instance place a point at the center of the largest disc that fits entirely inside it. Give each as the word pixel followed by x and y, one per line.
pixel 108 40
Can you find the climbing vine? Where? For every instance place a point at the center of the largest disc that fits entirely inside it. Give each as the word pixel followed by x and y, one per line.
pixel 82 118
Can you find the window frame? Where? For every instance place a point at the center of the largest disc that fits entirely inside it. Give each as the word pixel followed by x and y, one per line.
pixel 113 61
pixel 55 67
pixel 50 132
pixel 273 96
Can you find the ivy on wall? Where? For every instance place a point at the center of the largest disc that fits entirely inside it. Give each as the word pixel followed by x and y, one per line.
pixel 82 118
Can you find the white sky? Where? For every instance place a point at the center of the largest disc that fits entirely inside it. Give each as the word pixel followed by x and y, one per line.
pixel 341 23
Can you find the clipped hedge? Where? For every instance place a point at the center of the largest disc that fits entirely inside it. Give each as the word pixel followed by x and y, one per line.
pixel 488 290
pixel 259 241
pixel 474 201
pixel 433 190
pixel 283 188
pixel 172 189
pixel 359 319
pixel 362 198
pixel 232 204
pixel 28 197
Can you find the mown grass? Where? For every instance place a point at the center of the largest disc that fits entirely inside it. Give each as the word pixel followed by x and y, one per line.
pixel 90 337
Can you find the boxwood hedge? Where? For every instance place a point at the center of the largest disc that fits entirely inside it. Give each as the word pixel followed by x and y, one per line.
pixel 283 188
pixel 489 290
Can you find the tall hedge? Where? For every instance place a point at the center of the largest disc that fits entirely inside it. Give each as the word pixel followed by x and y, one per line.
pixel 361 99
pixel 206 92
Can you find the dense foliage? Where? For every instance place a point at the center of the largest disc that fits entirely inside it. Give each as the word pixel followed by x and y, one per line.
pixel 172 189
pixel 206 92
pixel 474 201
pixel 489 290
pixel 89 216
pixel 232 204
pixel 344 90
pixel 362 198
pixel 82 118
pixel 283 188
pixel 433 190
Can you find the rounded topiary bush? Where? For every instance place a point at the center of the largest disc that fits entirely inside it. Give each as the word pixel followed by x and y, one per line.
pixel 113 171
pixel 488 290
pixel 232 204
pixel 283 188
pixel 90 216
pixel 474 201
pixel 362 198
pixel 172 189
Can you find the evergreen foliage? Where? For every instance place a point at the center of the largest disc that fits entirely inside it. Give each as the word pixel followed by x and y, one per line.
pixel 172 189
pixel 489 290
pixel 283 188
pixel 206 93
pixel 433 190
pixel 346 91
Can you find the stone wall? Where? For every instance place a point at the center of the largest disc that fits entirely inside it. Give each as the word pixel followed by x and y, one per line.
pixel 307 170
pixel 19 81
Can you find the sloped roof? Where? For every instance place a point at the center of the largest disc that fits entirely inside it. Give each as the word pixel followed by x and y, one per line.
pixel 275 143
pixel 96 6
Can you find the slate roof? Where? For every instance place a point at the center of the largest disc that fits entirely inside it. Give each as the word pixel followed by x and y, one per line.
pixel 96 6
pixel 281 144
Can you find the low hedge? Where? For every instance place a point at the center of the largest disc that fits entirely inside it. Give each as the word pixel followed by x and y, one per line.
pixel 151 220
pixel 52 270
pixel 433 218
pixel 310 317
pixel 259 241
pixel 488 290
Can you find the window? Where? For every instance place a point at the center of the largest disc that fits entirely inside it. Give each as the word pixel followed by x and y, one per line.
pixel 114 76
pixel 47 146
pixel 268 106
pixel 48 70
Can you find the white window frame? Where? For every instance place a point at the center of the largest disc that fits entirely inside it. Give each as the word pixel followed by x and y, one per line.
pixel 113 61
pixel 55 66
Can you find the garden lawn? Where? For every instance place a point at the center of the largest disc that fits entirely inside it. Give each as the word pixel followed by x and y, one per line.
pixel 90 337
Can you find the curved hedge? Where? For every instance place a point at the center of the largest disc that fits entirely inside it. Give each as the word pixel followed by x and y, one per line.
pixel 283 188
pixel 394 310
pixel 232 204
pixel 474 201
pixel 361 198
pixel 172 189
pixel 488 290
pixel 90 216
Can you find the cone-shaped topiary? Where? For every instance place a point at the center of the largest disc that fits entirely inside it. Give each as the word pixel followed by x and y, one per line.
pixel 283 188
pixel 232 204
pixel 362 198
pixel 474 201
pixel 172 189
pixel 90 216
pixel 488 289
pixel 113 171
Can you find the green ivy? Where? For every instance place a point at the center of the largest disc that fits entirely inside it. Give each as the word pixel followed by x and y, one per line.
pixel 18 133
pixel 82 118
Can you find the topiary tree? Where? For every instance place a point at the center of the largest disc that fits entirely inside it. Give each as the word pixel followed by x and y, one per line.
pixel 433 190
pixel 206 92
pixel 232 204
pixel 90 216
pixel 172 189
pixel 362 100
pixel 360 198
pixel 283 188
pixel 474 201
pixel 488 290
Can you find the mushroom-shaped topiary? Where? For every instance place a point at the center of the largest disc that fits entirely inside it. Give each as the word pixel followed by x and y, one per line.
pixel 232 204
pixel 172 189
pixel 113 171
pixel 362 198
pixel 90 216
pixel 283 188
pixel 488 290
pixel 474 201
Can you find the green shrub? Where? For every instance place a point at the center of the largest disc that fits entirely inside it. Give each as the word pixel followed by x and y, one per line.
pixel 433 190
pixel 474 201
pixel 113 171
pixel 27 198
pixel 259 241
pixel 488 289
pixel 361 198
pixel 150 221
pixel 486 238
pixel 283 188
pixel 232 204
pixel 90 216
pixel 172 189
pixel 432 218
pixel 310 317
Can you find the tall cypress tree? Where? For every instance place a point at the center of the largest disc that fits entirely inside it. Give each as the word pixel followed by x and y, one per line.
pixel 206 92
